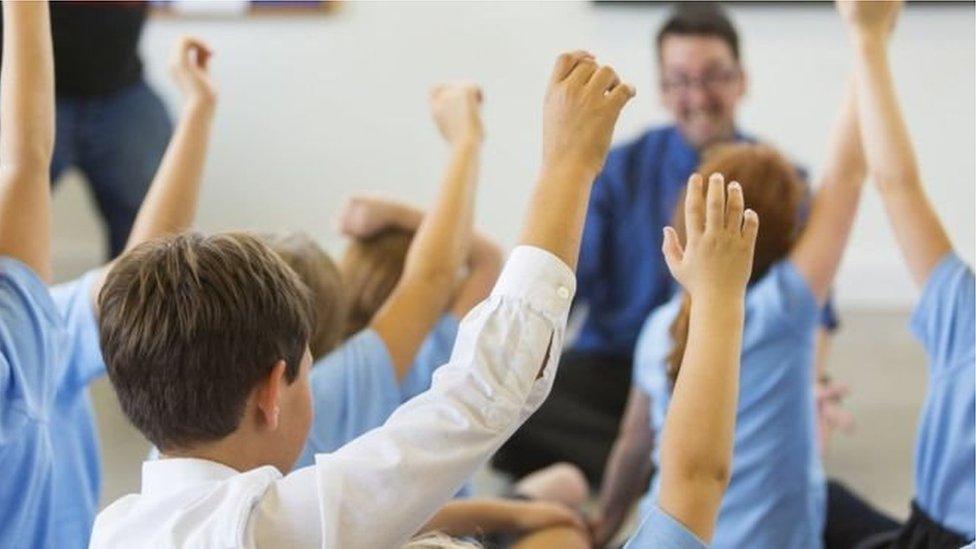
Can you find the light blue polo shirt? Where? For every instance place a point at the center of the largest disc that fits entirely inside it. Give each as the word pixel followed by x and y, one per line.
pixel 659 530
pixel 945 456
pixel 354 388
pixel 776 494
pixel 31 339
pixel 77 476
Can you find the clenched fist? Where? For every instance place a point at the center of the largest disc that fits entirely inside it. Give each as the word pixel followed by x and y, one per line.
pixel 581 108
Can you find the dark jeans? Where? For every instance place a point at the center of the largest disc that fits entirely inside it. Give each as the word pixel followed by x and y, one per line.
pixel 578 423
pixel 117 141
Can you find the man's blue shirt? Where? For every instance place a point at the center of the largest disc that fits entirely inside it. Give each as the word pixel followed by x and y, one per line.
pixel 622 276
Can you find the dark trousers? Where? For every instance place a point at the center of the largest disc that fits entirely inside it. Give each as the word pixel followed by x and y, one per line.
pixel 920 532
pixel 578 423
pixel 851 520
pixel 117 141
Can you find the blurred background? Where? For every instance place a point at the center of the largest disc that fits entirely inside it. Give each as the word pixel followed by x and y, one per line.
pixel 316 104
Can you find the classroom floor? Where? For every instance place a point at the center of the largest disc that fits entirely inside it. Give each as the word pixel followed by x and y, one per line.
pixel 873 353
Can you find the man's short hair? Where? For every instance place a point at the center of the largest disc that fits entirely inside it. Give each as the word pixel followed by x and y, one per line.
pixel 321 276
pixel 699 19
pixel 191 324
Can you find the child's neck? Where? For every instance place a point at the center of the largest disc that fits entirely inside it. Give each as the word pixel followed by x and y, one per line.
pixel 237 451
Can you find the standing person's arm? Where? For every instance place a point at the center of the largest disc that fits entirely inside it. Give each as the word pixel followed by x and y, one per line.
pixel 713 267
pixel 887 145
pixel 171 203
pixel 26 135
pixel 442 240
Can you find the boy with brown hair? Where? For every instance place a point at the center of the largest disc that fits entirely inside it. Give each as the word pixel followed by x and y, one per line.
pixel 206 341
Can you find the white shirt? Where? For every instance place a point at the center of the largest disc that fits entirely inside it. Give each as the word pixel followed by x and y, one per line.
pixel 379 489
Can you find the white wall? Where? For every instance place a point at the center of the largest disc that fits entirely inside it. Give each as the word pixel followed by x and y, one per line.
pixel 315 107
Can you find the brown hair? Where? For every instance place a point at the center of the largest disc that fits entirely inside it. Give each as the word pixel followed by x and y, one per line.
pixel 319 273
pixel 772 188
pixel 190 324
pixel 371 268
pixel 699 19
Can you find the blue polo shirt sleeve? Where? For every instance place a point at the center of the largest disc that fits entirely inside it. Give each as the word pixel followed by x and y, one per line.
pixel 354 390
pixel 83 360
pixel 944 320
pixel 30 341
pixel 780 301
pixel 661 531
pixel 945 455
pixel 434 352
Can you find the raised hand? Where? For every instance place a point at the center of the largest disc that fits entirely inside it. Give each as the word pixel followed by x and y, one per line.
pixel 456 109
pixel 716 260
pixel 189 67
pixel 362 216
pixel 866 16
pixel 581 107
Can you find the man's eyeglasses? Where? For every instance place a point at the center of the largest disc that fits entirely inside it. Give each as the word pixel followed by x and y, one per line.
pixel 713 81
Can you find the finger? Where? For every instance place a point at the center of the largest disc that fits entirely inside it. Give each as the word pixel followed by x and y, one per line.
pixel 694 208
pixel 203 54
pixel 750 227
pixel 565 63
pixel 715 203
pixel 582 72
pixel 734 205
pixel 605 78
pixel 178 55
pixel 621 94
pixel 671 248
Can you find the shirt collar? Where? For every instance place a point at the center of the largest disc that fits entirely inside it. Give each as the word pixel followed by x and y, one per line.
pixel 171 474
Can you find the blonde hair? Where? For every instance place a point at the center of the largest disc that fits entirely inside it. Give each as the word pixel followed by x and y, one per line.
pixel 372 268
pixel 319 273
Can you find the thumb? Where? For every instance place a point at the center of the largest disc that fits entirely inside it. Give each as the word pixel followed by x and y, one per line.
pixel 673 253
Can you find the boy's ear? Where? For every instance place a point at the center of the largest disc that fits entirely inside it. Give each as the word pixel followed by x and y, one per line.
pixel 268 394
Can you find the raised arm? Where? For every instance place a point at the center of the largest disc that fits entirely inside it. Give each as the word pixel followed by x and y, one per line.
pixel 713 267
pixel 364 216
pixel 821 245
pixel 887 146
pixel 628 468
pixel 441 242
pixel 26 135
pixel 171 203
pixel 581 108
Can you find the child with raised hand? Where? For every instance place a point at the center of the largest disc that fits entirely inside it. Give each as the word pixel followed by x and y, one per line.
pixel 380 232
pixel 777 489
pixel 31 330
pixel 357 386
pixel 944 509
pixel 169 207
pixel 696 453
pixel 206 342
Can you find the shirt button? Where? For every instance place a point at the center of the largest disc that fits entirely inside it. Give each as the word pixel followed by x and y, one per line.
pixel 563 292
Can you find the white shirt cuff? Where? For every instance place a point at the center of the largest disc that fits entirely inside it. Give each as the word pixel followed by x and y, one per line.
pixel 539 278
